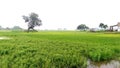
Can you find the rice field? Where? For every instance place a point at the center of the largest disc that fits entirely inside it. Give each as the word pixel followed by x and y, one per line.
pixel 57 49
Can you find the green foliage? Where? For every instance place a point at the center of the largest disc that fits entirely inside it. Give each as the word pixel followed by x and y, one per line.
pixel 16 28
pixel 82 27
pixel 102 25
pixel 49 49
pixel 32 20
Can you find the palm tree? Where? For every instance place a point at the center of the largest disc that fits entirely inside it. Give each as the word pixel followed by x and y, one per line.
pixel 101 25
pixel 105 26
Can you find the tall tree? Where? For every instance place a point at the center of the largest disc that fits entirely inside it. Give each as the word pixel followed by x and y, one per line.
pixel 32 20
pixel 82 27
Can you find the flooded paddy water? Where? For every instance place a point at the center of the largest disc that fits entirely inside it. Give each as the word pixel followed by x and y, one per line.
pixel 4 38
pixel 110 64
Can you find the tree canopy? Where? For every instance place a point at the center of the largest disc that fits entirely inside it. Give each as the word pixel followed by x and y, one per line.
pixel 32 20
pixel 105 26
pixel 82 27
pixel 102 25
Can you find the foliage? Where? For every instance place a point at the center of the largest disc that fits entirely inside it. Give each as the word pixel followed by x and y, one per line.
pixel 82 27
pixel 102 25
pixel 105 26
pixel 32 20
pixel 16 28
pixel 49 49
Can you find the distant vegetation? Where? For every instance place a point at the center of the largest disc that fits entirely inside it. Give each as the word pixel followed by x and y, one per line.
pixel 13 28
pixel 83 27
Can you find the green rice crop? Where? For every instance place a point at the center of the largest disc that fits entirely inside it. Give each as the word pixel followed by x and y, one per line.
pixel 57 49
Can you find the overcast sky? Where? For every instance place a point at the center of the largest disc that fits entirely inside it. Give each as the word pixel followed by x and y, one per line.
pixel 60 13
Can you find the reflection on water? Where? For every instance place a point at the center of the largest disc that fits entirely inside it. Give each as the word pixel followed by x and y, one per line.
pixel 111 64
pixel 4 38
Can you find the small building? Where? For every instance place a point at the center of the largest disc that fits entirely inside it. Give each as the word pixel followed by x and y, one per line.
pixel 117 25
pixel 94 29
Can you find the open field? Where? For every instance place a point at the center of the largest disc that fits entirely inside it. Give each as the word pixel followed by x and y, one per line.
pixel 57 49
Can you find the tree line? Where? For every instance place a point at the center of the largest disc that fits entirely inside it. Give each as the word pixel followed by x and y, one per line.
pixel 84 27
pixel 13 28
